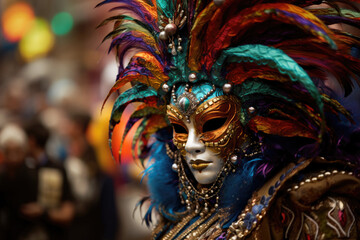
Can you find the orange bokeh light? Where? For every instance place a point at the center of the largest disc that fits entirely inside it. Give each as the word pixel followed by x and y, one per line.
pixel 17 20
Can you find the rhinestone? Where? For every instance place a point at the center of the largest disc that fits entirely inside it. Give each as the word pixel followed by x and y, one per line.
pixel 335 171
pixel 327 173
pixel 307 180
pixel 314 179
pixel 296 187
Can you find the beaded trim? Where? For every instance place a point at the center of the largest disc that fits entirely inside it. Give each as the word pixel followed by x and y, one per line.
pixel 256 209
pixel 209 103
pixel 191 196
pixel 175 111
pixel 318 177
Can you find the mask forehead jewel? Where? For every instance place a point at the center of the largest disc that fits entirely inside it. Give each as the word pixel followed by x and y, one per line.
pixel 187 102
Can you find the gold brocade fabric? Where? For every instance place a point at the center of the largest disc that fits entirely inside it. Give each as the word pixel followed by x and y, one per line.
pixel 317 201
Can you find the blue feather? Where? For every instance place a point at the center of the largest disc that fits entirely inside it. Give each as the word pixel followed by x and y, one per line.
pixel 163 183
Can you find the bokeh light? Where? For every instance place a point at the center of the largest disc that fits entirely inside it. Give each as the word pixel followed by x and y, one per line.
pixel 62 23
pixel 16 21
pixel 38 41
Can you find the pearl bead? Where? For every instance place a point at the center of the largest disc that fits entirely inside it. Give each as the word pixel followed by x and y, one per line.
pixel 165 87
pixel 163 35
pixel 219 2
pixel 175 167
pixel 170 29
pixel 251 110
pixel 192 77
pixel 227 87
pixel 233 159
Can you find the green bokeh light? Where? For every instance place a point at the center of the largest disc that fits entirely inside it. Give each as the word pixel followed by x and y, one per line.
pixel 62 23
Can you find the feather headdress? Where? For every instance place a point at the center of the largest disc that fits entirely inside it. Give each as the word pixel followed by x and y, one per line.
pixel 283 57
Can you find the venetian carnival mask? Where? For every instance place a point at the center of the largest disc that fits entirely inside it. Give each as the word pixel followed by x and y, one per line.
pixel 206 128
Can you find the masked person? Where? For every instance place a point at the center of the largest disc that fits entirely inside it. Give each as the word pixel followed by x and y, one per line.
pixel 242 115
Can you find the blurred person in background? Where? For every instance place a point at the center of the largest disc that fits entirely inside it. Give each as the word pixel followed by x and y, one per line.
pixel 13 146
pixel 25 214
pixel 96 215
pixel 39 198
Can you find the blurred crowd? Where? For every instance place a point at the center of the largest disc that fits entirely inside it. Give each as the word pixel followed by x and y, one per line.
pixel 57 177
pixel 40 196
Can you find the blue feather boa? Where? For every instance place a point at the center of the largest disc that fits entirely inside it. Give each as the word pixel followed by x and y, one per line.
pixel 163 184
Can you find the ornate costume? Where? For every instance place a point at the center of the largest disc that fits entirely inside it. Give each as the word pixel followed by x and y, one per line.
pixel 242 115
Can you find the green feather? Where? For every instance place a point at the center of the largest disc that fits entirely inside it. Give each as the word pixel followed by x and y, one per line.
pixel 274 58
pixel 166 7
pixel 137 134
pixel 137 93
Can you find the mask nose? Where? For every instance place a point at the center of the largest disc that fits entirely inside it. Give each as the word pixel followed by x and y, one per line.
pixel 193 145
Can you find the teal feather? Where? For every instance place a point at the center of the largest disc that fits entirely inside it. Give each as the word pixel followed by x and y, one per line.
pixel 136 94
pixel 166 7
pixel 137 134
pixel 135 117
pixel 252 88
pixel 274 58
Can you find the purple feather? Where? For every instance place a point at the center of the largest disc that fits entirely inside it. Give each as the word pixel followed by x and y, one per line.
pixel 134 7
pixel 127 41
pixel 337 19
pixel 144 16
pixel 302 21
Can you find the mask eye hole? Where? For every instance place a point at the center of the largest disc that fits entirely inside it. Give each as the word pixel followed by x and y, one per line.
pixel 179 129
pixel 213 124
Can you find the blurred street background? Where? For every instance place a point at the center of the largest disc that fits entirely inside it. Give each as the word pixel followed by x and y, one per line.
pixel 54 75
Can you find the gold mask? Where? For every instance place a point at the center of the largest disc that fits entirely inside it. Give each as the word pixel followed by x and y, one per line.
pixel 216 122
